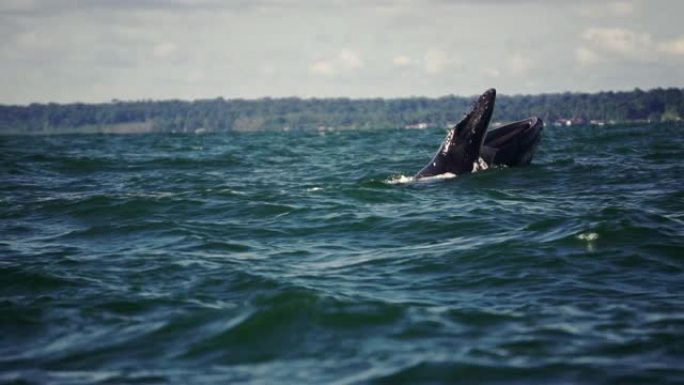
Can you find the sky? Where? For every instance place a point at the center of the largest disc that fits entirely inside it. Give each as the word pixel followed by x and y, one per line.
pixel 100 50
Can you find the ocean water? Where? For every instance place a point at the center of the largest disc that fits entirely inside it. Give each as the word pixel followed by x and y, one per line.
pixel 306 258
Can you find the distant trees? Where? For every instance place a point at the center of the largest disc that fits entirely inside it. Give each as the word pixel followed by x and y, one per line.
pixel 338 113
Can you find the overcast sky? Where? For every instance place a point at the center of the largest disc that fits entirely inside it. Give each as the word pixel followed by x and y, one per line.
pixel 99 50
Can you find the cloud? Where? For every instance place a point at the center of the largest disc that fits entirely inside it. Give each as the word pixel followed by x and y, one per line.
pixel 268 69
pixel 322 67
pixel 34 41
pixel 586 56
pixel 609 9
pixel 17 6
pixel 346 61
pixel 672 47
pixel 93 50
pixel 349 60
pixel 42 7
pixel 620 45
pixel 164 50
pixel 622 8
pixel 436 61
pixel 402 61
pixel 520 64
pixel 618 40
pixel 195 75
pixel 491 72
pixel 613 45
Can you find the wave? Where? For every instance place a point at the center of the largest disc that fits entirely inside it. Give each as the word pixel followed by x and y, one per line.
pixel 319 259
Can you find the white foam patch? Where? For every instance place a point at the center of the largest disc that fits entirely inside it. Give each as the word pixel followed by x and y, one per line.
pixel 446 175
pixel 401 179
pixel 314 189
pixel 230 191
pixel 589 237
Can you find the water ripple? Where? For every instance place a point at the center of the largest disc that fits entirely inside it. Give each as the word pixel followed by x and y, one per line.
pixel 318 259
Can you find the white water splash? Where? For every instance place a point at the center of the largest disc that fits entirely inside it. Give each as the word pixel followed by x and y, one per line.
pixel 314 189
pixel 446 175
pixel 590 238
pixel 401 179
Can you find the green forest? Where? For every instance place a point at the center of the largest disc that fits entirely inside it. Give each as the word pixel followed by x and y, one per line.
pixel 296 114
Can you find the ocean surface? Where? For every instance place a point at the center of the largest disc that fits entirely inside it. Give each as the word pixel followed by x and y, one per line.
pixel 307 258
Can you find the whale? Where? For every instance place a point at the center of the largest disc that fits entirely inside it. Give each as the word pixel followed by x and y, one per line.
pixel 470 147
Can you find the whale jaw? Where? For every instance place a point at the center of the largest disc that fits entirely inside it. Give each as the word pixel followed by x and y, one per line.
pixel 513 144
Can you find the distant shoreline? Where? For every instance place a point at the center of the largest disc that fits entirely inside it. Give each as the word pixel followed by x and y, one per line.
pixel 295 114
pixel 121 130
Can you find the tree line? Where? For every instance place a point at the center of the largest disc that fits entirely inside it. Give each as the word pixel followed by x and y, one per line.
pixel 215 115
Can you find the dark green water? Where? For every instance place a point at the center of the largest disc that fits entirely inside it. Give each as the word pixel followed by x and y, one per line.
pixel 295 258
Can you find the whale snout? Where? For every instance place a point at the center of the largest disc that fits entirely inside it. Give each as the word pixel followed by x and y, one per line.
pixel 488 97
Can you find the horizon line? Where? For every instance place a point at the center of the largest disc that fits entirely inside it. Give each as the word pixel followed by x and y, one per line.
pixel 311 98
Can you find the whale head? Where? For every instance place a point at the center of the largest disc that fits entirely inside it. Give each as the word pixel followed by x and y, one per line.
pixel 463 143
